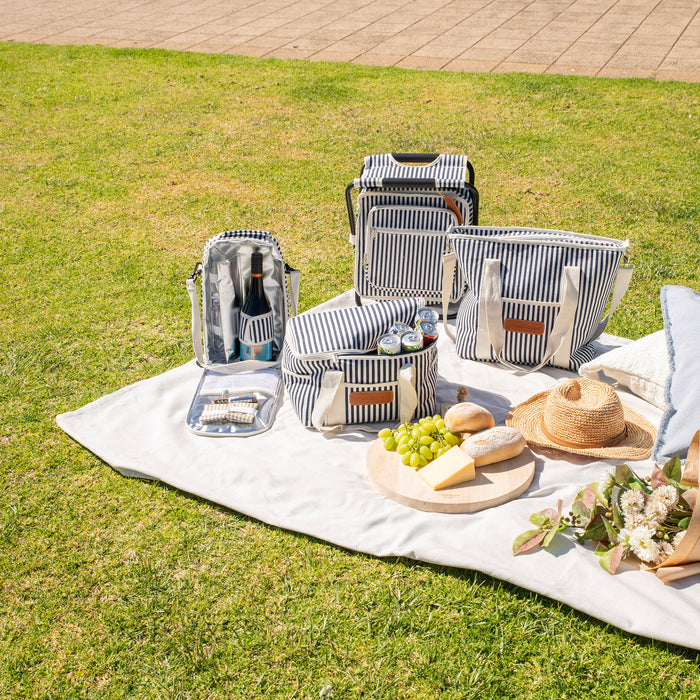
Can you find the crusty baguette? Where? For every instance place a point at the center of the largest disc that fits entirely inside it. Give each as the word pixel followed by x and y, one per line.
pixel 468 418
pixel 494 445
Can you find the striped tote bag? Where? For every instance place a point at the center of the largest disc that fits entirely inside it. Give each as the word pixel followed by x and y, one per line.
pixel 535 297
pixel 334 376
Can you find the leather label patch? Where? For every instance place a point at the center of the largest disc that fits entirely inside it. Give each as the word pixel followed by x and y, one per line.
pixel 517 325
pixel 370 398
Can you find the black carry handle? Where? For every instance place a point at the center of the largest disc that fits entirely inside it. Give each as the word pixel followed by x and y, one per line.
pixel 415 157
pixel 422 182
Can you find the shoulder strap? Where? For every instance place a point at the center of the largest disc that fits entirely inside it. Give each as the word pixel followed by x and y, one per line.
pixel 622 282
pixel 449 260
pixel 191 284
pixel 293 282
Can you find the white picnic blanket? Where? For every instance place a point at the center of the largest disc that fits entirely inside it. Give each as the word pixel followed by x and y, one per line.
pixel 300 480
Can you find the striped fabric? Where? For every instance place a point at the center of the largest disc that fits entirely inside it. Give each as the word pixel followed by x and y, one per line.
pixel 345 340
pixel 531 265
pixel 256 330
pixel 405 249
pixel 401 232
pixel 399 245
pixel 447 170
pixel 347 330
pixel 246 234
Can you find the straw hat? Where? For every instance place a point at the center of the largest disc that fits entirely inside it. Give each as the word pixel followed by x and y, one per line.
pixel 586 417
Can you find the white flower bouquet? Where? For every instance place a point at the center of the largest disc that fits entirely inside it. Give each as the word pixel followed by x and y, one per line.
pixel 651 519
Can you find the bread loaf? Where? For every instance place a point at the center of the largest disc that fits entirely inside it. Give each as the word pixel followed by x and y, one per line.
pixel 494 445
pixel 467 418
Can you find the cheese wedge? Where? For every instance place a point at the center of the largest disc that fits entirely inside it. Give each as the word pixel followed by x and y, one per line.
pixel 449 469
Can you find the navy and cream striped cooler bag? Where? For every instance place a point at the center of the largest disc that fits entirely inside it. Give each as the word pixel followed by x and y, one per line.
pixel 334 376
pixel 534 297
pixel 218 325
pixel 406 204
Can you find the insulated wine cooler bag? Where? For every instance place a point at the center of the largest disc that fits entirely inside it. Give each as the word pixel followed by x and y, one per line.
pixel 406 204
pixel 239 392
pixel 334 375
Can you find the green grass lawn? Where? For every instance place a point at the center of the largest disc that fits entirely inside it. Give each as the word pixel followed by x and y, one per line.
pixel 116 166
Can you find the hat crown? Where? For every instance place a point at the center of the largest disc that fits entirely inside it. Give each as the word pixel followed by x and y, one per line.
pixel 584 412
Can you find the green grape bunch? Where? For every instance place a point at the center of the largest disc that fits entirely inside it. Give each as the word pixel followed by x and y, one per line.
pixel 421 442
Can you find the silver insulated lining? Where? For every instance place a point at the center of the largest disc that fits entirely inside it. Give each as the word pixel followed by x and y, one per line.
pixel 225 280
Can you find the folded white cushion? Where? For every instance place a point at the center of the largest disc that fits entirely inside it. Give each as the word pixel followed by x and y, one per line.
pixel 641 366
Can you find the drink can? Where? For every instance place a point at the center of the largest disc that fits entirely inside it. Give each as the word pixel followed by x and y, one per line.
pixel 400 328
pixel 412 341
pixel 389 344
pixel 428 330
pixel 425 313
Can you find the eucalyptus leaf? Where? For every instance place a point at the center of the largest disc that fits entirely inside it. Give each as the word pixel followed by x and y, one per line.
pixel 611 558
pixel 545 517
pixel 672 469
pixel 610 531
pixel 602 499
pixel 658 478
pixel 596 530
pixel 539 519
pixel 527 541
pixel 683 524
pixel 550 536
pixel 581 512
pixel 639 485
pixel 623 473
pixel 615 506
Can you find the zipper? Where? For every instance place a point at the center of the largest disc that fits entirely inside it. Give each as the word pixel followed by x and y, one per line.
pixel 374 230
pixel 349 354
pixel 574 240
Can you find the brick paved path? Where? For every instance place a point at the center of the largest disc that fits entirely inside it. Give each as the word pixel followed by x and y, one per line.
pixel 614 38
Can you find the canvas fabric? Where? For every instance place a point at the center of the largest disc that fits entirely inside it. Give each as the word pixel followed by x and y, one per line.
pixel 256 330
pixel 317 484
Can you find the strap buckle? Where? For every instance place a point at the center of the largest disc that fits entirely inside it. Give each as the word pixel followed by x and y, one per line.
pixel 196 272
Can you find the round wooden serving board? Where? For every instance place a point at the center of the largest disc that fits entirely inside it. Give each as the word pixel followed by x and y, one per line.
pixel 494 484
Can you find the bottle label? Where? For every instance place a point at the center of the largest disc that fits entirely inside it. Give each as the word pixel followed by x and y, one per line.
pixel 256 334
pixel 256 352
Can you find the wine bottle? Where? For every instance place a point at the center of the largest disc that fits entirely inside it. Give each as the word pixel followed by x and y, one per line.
pixel 256 316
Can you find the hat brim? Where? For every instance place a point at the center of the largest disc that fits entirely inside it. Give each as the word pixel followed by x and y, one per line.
pixel 637 444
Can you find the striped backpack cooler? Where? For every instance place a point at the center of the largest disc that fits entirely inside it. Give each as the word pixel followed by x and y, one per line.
pixel 334 375
pixel 225 271
pixel 534 297
pixel 406 205
pixel 238 397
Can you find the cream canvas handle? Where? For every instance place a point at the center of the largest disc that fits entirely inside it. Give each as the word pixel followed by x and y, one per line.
pixel 326 415
pixel 196 320
pixel 622 282
pixel 491 333
pixel 408 398
pixel 449 262
pixel 330 386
